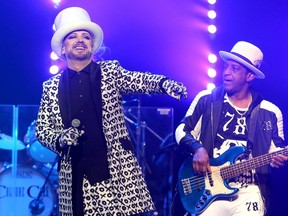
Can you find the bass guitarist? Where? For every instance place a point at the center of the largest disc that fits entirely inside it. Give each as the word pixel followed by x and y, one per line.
pixel 231 115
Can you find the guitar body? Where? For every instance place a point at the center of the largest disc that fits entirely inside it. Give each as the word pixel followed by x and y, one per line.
pixel 197 192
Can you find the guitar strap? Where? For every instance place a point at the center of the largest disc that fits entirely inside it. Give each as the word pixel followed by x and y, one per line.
pixel 252 127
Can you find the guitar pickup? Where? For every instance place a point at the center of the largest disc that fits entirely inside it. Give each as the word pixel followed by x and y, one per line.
pixel 211 182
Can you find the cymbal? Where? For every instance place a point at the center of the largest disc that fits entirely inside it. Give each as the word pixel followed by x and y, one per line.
pixel 6 142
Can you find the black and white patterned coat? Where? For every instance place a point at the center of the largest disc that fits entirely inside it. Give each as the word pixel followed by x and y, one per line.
pixel 125 172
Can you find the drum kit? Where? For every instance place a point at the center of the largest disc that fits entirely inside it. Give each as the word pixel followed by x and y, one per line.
pixel 32 188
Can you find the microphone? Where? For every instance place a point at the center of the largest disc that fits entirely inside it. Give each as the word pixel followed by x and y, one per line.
pixel 75 124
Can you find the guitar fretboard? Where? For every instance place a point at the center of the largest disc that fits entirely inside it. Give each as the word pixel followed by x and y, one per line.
pixel 253 163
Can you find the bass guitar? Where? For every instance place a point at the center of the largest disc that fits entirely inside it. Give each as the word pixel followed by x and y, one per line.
pixel 197 192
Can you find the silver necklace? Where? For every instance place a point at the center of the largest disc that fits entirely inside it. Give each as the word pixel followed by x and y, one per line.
pixel 241 111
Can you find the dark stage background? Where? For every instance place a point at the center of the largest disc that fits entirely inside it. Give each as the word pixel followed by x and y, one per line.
pixel 163 36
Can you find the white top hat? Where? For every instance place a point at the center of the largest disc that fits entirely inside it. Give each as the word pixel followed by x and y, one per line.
pixel 72 19
pixel 246 54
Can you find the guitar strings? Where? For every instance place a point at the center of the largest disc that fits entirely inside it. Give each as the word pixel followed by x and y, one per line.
pixel 198 181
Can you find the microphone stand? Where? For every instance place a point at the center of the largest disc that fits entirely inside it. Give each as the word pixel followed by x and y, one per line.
pixel 37 206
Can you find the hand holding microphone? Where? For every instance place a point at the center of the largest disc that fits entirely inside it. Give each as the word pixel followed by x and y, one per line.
pixel 69 137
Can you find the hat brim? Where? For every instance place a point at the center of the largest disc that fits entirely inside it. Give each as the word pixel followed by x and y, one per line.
pixel 60 34
pixel 230 56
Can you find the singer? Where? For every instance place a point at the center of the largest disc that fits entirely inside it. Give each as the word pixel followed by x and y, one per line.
pixel 98 171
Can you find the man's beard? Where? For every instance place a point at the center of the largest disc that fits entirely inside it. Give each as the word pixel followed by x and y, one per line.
pixel 78 57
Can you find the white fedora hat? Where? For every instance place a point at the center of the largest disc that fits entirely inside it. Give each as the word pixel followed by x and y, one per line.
pixel 72 19
pixel 246 54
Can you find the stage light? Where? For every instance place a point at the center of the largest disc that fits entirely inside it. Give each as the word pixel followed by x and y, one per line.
pixel 211 14
pixel 212 58
pixel 212 29
pixel 212 2
pixel 53 56
pixel 210 86
pixel 54 69
pixel 211 72
pixel 56 3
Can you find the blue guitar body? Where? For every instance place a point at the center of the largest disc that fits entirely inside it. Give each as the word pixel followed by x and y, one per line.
pixel 197 192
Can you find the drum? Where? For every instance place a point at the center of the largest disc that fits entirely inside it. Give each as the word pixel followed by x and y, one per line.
pixel 35 149
pixel 19 193
pixel 39 153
